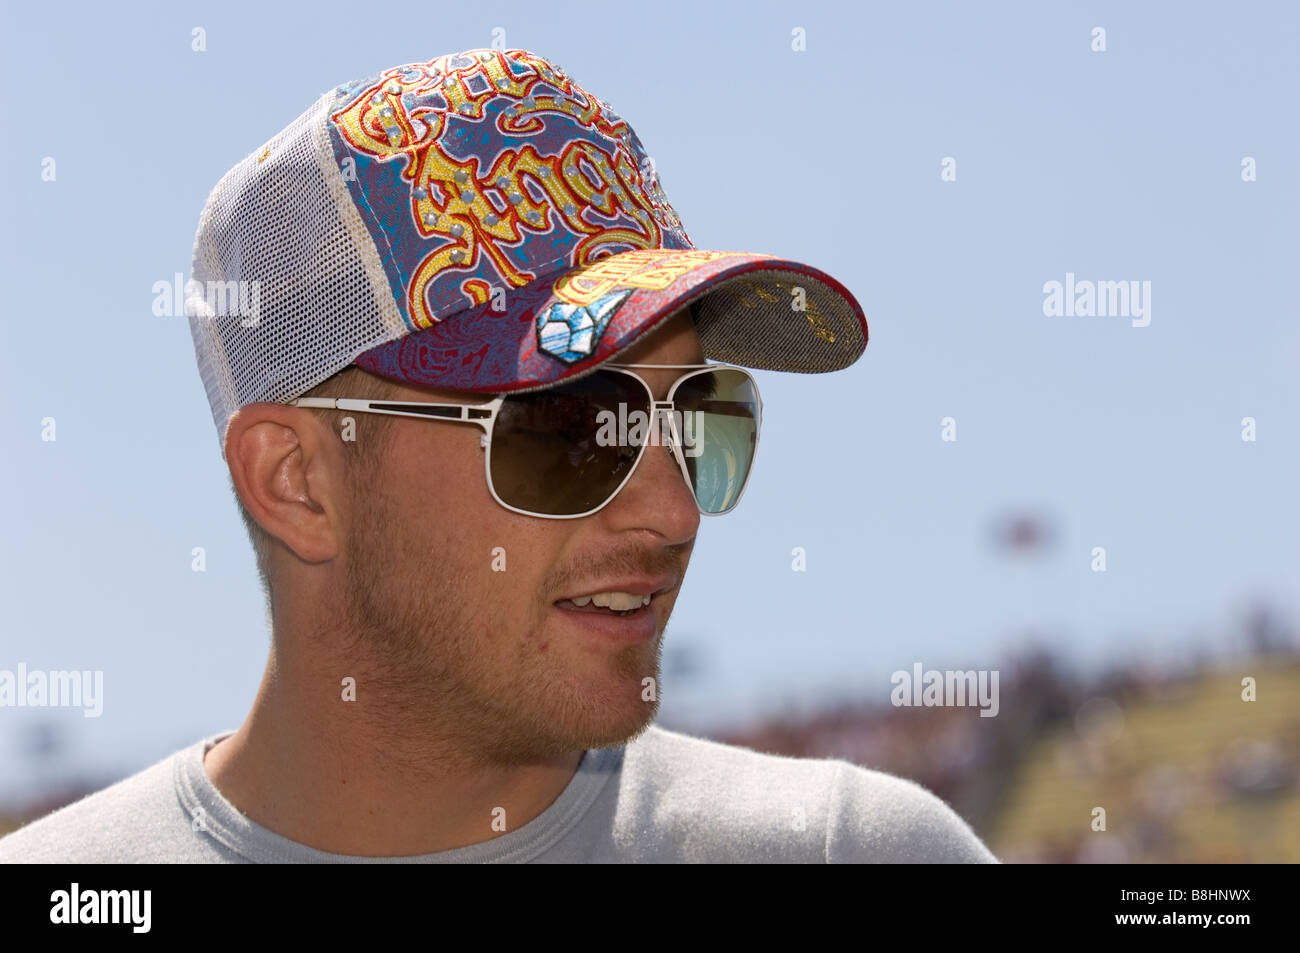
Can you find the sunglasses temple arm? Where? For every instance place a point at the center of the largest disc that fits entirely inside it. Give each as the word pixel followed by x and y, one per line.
pixel 476 414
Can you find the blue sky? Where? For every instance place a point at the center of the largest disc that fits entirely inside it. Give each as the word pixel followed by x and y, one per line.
pixel 1122 165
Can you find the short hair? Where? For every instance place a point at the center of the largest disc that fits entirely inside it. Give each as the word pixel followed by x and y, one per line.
pixel 352 381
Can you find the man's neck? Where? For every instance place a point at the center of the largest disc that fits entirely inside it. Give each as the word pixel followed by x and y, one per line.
pixel 331 775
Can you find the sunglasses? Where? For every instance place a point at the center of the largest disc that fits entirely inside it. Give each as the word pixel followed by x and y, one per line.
pixel 566 451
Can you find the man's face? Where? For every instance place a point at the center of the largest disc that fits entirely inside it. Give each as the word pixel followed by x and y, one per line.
pixel 457 595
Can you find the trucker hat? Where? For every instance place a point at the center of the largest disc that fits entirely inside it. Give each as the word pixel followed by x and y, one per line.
pixel 478 223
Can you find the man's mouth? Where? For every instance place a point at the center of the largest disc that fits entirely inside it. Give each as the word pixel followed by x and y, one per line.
pixel 624 609
pixel 608 603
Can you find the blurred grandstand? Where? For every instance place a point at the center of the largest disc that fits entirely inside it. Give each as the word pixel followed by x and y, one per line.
pixel 1185 769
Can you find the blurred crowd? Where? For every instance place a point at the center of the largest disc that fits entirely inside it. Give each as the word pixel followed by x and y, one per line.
pixel 1136 765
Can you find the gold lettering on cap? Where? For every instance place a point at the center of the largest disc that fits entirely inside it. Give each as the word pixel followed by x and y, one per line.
pixel 652 268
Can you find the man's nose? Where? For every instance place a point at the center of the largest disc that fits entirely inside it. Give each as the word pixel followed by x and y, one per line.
pixel 658 496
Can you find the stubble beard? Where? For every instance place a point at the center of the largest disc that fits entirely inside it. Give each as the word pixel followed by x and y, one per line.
pixel 424 648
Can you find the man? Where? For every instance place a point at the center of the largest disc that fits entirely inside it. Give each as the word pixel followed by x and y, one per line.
pixel 447 419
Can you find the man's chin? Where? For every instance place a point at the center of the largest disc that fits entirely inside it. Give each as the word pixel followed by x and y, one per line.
pixel 618 731
pixel 598 720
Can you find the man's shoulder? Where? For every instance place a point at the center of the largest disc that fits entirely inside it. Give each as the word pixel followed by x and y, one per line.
pixel 724 798
pixel 131 821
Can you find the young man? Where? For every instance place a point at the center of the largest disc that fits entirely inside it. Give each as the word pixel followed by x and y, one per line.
pixel 467 411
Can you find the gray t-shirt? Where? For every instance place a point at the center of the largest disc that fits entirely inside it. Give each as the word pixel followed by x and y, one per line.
pixel 665 797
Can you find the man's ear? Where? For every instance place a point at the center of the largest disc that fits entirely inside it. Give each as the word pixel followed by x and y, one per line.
pixel 289 472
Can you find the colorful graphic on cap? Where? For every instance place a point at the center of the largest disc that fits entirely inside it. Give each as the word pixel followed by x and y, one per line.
pixel 570 328
pixel 479 172
pixel 572 331
pixel 654 270
pixel 541 337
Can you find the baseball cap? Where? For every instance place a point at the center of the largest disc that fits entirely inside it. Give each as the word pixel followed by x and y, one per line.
pixel 478 223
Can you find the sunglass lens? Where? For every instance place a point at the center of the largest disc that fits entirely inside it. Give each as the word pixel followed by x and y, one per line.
pixel 718 425
pixel 546 457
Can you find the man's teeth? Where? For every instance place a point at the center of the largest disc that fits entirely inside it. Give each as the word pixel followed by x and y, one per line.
pixel 618 601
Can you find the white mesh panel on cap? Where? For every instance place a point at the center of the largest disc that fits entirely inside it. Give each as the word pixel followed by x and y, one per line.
pixel 282 224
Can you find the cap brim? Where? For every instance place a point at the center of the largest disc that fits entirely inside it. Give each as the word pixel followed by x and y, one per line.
pixel 753 310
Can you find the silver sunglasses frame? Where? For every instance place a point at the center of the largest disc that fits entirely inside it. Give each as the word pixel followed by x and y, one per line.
pixel 485 416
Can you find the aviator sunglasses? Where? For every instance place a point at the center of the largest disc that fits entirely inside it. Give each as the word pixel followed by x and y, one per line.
pixel 566 451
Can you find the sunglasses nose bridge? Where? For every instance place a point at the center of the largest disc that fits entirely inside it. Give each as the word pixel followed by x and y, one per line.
pixel 663 411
